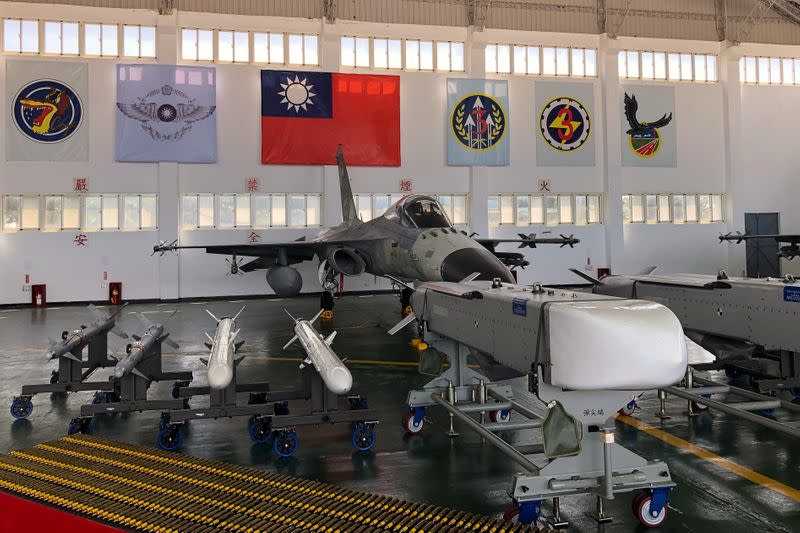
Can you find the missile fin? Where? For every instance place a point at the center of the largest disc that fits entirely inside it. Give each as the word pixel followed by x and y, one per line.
pixel 212 316
pixel 238 359
pixel 587 277
pixel 471 277
pixel 116 330
pixel 136 337
pixel 237 345
pixel 291 341
pixel 208 345
pixel 329 338
pixel 305 363
pixel 70 355
pixel 204 361
pixel 239 313
pixel 646 271
pixel 317 316
pixel 169 342
pixel 144 320
pixel 403 323
pixel 99 315
pixel 118 311
pixel 52 341
pixel 208 336
pixel 136 371
pixel 235 334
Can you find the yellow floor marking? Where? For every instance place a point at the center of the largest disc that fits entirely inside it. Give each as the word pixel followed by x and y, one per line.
pixel 721 462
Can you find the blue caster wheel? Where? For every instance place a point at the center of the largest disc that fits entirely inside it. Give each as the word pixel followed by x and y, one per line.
pixel 281 408
pixel 769 413
pixel 164 422
pixel 358 403
pixel 732 374
pixel 414 420
pixel 257 398
pixel 170 438
pixel 80 425
pixel 260 430
pixel 176 390
pixel 364 437
pixel 21 407
pixel 629 408
pixel 54 377
pixel 795 392
pixel 523 513
pixel 285 443
pixel 501 416
pixel 97 398
pixel 651 507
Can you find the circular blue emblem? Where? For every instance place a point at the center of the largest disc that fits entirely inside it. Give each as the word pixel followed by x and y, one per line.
pixel 478 122
pixel 47 111
pixel 564 124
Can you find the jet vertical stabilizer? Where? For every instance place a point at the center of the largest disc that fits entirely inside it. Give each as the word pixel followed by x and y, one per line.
pixel 349 212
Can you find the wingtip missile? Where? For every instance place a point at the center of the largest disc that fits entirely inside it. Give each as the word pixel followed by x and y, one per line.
pixel 163 247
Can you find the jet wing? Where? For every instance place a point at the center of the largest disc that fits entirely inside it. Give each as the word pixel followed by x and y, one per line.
pixel 697 281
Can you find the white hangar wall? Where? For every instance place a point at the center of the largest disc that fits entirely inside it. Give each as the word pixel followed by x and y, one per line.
pixel 707 115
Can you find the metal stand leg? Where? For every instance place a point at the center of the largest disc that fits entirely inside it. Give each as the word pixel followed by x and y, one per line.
pixel 451 399
pixel 599 516
pixel 662 400
pixel 557 522
pixel 482 400
pixel 689 385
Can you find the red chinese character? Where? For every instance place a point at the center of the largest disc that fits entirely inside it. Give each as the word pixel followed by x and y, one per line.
pixel 254 237
pixel 405 185
pixel 544 185
pixel 81 185
pixel 252 185
pixel 80 239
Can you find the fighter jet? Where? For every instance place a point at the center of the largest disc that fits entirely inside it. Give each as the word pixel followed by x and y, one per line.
pixel 72 342
pixel 412 240
pixel 790 251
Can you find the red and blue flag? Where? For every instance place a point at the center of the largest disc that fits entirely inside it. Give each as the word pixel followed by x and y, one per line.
pixel 306 115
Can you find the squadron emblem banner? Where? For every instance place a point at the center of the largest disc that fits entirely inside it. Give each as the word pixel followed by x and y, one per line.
pixel 166 113
pixel 564 124
pixel 477 122
pixel 648 126
pixel 47 117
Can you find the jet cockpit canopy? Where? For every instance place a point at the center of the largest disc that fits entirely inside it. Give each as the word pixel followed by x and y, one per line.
pixel 418 211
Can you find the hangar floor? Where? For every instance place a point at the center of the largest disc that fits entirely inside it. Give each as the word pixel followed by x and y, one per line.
pixel 741 478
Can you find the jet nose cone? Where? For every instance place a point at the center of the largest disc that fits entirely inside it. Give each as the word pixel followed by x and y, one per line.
pixel 461 263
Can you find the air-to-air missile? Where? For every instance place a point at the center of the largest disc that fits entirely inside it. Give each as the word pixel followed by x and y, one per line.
pixel 141 347
pixel 334 374
pixel 79 338
pixel 223 346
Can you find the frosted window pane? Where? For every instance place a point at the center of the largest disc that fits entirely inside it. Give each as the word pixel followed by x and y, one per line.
pixel 711 67
pixel 52 38
pixel 412 55
pixel 537 210
pixel 565 209
pixel 490 57
pixel 188 44
pixel 348 51
pixel 493 206
pixel 278 210
pixel 506 209
pixel 276 48
pixel 226 211
pixel 297 211
pixel 130 40
pixel 110 212
pixel 674 66
pixel 660 66
pixel 752 73
pixel 622 64
pixel 580 210
pixel 205 211
pixel 686 66
pixel 261 206
pixel 149 212
pixel 700 67
pixel 678 209
pixel 519 60
pixel 241 47
pixel 110 40
pixel 457 57
pixel 147 41
pixel 591 62
pixel 312 210
pixel 362 52
pixel 296 49
pixel 189 211
pixel 775 70
pixel 52 212
pixel 533 60
pixel 71 212
pixel 92 218
pixel 130 212
pixel 443 56
pixel 30 36
pixel 395 54
pixel 379 56
pixel 11 35
pixel 503 58
pixel 633 63
pixel 788 72
pixel 577 62
pixel 523 210
pixel 261 47
pixel 426 55
pixel 562 61
pixel 310 49
pixel 224 53
pixel 647 66
pixel 549 61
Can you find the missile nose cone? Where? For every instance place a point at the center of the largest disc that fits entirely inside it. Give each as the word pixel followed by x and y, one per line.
pixel 119 372
pixel 461 263
pixel 50 355
pixel 340 381
pixel 219 376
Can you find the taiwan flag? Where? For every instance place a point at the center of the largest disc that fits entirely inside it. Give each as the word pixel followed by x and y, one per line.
pixel 306 115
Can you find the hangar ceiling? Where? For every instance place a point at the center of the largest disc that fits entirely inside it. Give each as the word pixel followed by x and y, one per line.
pixel 760 21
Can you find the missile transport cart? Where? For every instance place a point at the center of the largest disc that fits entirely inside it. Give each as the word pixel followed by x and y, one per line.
pixel 580 357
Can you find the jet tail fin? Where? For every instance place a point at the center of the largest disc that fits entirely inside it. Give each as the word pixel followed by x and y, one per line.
pixel 587 277
pixel 349 212
pixel 646 271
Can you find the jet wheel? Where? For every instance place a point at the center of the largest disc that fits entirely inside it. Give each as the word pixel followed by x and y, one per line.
pixel 21 407
pixel 364 437
pixel 285 443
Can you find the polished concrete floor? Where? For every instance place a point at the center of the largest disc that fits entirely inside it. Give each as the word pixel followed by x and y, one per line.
pixel 755 488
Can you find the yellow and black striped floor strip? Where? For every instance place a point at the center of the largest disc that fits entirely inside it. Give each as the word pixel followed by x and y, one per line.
pixel 145 489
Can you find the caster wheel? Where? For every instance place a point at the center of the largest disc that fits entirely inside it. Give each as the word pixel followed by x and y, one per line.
pixel 511 514
pixel 501 416
pixel 80 425
pixel 285 443
pixel 795 392
pixel 260 430
pixel 358 404
pixel 364 437
pixel 281 408
pixel 21 407
pixel 54 377
pixel 732 374
pixel 527 513
pixel 644 515
pixel 411 427
pixel 97 398
pixel 176 390
pixel 629 408
pixel 170 438
pixel 768 413
pixel 164 422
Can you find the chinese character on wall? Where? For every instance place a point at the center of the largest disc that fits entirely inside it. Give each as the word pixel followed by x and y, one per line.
pixel 252 185
pixel 254 237
pixel 406 185
pixel 81 185
pixel 80 239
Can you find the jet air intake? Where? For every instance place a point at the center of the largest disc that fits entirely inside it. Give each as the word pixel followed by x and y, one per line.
pixel 346 261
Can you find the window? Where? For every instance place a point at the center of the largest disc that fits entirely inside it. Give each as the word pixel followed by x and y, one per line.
pixel 110 212
pixel 769 70
pixel 278 208
pixel 637 208
pixel 130 212
pixel 246 210
pixel 148 214
pixel 647 65
pixel 677 208
pixel 61 38
pixel 303 49
pixel 663 208
pixel 197 211
pixel 355 52
pixel 139 41
pixel 92 217
pixel 549 61
pixel 100 40
pixel 716 207
pixel 197 45
pixel 537 209
pixel 691 208
pixel 387 53
pixel 268 47
pixel 450 57
pixel 651 209
pixel 233 46
pixel 234 211
pixel 704 208
pixel 21 36
pixel 419 55
pixel 52 213
pixel 189 211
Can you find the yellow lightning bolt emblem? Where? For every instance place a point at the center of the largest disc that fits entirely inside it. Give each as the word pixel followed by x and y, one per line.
pixel 564 124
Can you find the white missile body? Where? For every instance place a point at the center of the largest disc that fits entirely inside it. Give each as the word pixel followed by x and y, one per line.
pixel 223 347
pixel 334 373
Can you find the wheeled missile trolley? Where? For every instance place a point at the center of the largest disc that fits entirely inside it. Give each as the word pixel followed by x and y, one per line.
pixel 273 415
pixel 579 362
pixel 73 370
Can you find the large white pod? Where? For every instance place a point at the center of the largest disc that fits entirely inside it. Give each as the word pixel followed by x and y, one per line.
pixel 617 344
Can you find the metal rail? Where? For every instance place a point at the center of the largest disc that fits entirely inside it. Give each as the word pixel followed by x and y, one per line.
pixel 731 409
pixel 476 426
pixel 789 406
